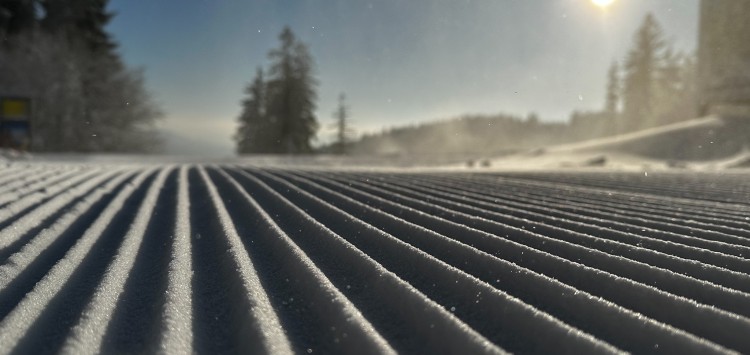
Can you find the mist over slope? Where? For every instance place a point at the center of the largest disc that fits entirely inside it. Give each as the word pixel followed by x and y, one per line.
pixel 178 144
pixel 700 139
pixel 498 134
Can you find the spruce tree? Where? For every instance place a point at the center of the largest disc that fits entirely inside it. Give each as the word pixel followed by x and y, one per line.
pixel 117 111
pixel 612 101
pixel 342 126
pixel 641 67
pixel 80 21
pixel 257 132
pixel 292 95
pixel 85 98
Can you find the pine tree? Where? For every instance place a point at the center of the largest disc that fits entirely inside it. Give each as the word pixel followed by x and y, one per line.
pixel 641 67
pixel 292 95
pixel 611 114
pixel 86 98
pixel 80 21
pixel 342 126
pixel 257 132
pixel 675 88
pixel 612 101
pixel 117 111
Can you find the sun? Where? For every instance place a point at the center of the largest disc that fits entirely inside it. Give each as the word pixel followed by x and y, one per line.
pixel 602 3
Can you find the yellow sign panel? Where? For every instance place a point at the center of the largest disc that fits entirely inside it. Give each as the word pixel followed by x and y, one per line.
pixel 15 109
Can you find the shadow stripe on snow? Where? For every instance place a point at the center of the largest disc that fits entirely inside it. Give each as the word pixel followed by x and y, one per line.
pixel 592 314
pixel 664 279
pixel 706 239
pixel 394 307
pixel 23 205
pixel 535 223
pixel 727 261
pixel 584 203
pixel 672 213
pixel 309 306
pixel 683 313
pixel 657 185
pixel 29 224
pixel 231 309
pixel 60 296
pixel 146 258
pixel 25 268
pixel 636 200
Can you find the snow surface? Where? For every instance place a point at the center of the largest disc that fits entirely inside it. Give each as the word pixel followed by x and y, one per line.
pixel 266 256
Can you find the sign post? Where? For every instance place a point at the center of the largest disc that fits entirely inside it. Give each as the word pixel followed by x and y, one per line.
pixel 15 123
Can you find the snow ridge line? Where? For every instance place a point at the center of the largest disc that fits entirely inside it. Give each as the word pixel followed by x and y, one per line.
pixel 86 336
pixel 177 334
pixel 688 190
pixel 662 278
pixel 18 177
pixel 267 325
pixel 50 192
pixel 14 326
pixel 598 238
pixel 31 220
pixel 448 333
pixel 703 238
pixel 551 217
pixel 564 270
pixel 355 333
pixel 495 270
pixel 681 213
pixel 29 185
pixel 18 261
pixel 593 200
pixel 374 261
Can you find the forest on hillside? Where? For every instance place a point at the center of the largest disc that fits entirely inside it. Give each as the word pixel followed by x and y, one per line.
pixel 84 97
pixel 655 85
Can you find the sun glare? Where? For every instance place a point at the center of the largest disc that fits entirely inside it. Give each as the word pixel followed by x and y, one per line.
pixel 602 3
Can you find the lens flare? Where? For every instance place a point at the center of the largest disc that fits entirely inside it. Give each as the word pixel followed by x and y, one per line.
pixel 602 3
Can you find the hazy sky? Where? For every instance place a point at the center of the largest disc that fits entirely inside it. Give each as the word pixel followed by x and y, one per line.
pixel 398 61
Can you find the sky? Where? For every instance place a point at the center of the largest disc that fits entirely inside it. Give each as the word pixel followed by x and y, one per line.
pixel 399 62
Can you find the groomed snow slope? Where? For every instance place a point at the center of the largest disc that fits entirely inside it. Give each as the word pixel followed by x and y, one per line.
pixel 231 259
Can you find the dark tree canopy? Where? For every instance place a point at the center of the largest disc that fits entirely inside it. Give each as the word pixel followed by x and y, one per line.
pixel 16 16
pixel 279 114
pixel 257 132
pixel 85 98
pixel 81 21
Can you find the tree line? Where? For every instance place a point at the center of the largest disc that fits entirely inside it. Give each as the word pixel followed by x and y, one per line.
pixel 278 111
pixel 278 114
pixel 85 98
pixel 654 85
